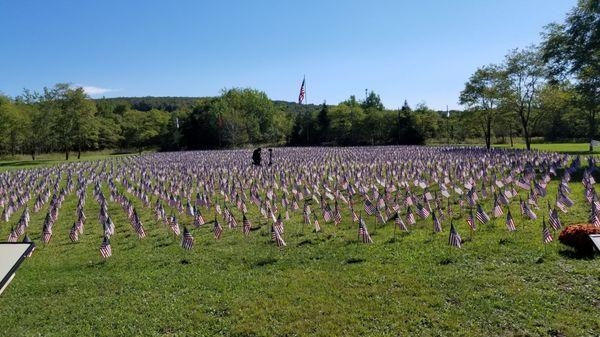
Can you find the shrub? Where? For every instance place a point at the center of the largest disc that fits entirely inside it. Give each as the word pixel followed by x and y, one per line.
pixel 577 236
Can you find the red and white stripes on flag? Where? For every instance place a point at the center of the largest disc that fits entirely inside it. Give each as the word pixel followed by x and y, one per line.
pixel 105 249
pixel 454 239
pixel 547 237
pixel 187 240
pixel 302 94
pixel 276 236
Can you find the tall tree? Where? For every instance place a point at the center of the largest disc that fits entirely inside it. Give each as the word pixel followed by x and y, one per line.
pixel 572 49
pixel 482 94
pixel 372 101
pixel 525 73
pixel 75 121
pixel 324 123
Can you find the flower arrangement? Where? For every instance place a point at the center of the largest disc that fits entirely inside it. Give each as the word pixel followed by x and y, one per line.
pixel 577 236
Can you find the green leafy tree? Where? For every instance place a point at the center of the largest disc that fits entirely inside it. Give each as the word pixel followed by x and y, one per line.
pixel 143 129
pixel 482 94
pixel 372 101
pixel 572 49
pixel 525 75
pixel 324 123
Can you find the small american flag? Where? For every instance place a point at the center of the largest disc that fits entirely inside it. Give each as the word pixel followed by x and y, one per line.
pixel 437 225
pixel 454 238
pixel 46 234
pixel 363 233
pixel 354 215
pixel 26 239
pixel 276 236
pixel 410 216
pixel 105 249
pixel 529 212
pixel 422 212
pixel 246 225
pixel 546 232
pixel 400 223
pixel 497 209
pixel 12 236
pixel 74 233
pixel 198 219
pixel 510 222
pixel 481 215
pixel 471 221
pixel 369 208
pixel 327 216
pixel 187 240
pixel 554 220
pixel 217 229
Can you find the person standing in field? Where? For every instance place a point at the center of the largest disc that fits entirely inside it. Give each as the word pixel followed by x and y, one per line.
pixel 270 157
pixel 256 158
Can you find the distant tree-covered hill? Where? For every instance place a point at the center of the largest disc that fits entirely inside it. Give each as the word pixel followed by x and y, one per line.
pixel 148 103
pixel 170 104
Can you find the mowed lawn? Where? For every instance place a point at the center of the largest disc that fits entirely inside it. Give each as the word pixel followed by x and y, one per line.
pixel 570 148
pixel 325 284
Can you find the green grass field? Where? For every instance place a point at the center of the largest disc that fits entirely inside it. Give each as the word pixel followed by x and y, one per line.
pixel 326 284
pixel 570 148
pixel 49 159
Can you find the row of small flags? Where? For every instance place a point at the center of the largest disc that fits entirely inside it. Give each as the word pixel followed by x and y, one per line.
pixel 277 228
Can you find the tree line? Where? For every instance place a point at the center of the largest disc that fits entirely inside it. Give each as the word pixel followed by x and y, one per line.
pixel 551 90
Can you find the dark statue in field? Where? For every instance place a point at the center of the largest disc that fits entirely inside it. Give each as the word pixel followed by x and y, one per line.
pixel 270 157
pixel 256 157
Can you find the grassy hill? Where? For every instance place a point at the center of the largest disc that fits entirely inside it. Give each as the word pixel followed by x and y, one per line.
pixel 321 284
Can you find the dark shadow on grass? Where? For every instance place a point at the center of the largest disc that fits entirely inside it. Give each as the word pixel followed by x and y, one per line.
pixel 355 260
pixel 574 254
pixel 446 261
pixel 305 242
pixel 265 262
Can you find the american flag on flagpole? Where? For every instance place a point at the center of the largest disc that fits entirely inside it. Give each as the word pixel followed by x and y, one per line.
pixel 302 91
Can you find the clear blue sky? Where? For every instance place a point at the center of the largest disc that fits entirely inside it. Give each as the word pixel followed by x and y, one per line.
pixel 422 51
